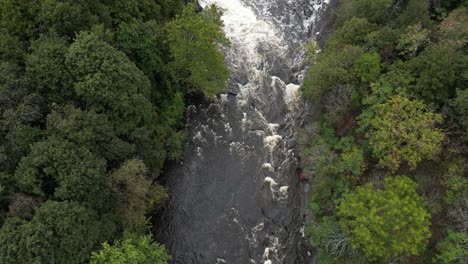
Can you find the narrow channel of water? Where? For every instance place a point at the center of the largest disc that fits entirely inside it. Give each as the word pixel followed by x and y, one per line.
pixel 236 198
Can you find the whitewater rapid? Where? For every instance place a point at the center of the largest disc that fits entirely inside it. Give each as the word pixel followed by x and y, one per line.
pixel 236 198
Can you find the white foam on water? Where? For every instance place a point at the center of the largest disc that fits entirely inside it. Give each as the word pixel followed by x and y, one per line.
pixel 244 118
pixel 236 148
pixel 223 98
pixel 244 29
pixel 271 252
pixel 270 181
pixel 268 167
pixel 228 128
pixel 273 128
pixel 271 142
pixel 292 97
pixel 293 92
pixel 284 190
pixel 198 136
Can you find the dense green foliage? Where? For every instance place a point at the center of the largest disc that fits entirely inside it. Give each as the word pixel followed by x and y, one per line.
pixel 403 130
pixel 390 84
pixel 200 64
pixel 68 226
pixel 133 248
pixel 388 222
pixel 92 97
pixel 107 81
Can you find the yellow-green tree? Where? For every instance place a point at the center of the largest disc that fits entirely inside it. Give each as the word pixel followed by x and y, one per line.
pixel 404 131
pixel 133 248
pixel 388 222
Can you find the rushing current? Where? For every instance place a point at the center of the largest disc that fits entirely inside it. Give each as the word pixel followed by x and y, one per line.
pixel 235 197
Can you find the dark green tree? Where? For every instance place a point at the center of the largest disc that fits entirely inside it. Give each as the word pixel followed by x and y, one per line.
pixel 332 70
pixel 107 81
pixel 375 11
pixel 60 232
pixel 439 72
pixel 60 170
pixel 353 32
pixel 65 17
pixel 46 68
pixel 88 129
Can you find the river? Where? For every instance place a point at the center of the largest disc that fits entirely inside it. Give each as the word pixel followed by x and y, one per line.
pixel 236 197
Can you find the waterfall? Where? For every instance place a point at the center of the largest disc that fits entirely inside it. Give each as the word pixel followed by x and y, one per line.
pixel 236 198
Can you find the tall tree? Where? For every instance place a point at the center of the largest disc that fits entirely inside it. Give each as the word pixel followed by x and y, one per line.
pixel 404 131
pixel 194 40
pixel 134 193
pixel 60 232
pixel 133 248
pixel 88 129
pixel 385 223
pixel 60 170
pixel 107 81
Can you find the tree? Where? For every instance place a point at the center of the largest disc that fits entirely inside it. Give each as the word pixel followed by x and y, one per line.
pixel 61 170
pixel 60 232
pixel 64 17
pixel 134 193
pixel 376 11
pixel 461 107
pixel 21 113
pixel 416 11
pixel 404 131
pixel 453 27
pixel 11 49
pixel 388 222
pixel 133 248
pixel 194 40
pixel 413 40
pixel 19 19
pixel 107 81
pixel 331 70
pixel 352 32
pixel 439 72
pixel 453 249
pixel 367 68
pixel 130 10
pixel 143 44
pixel 88 129
pixel 46 68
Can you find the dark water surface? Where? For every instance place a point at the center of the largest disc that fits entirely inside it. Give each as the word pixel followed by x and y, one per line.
pixel 236 198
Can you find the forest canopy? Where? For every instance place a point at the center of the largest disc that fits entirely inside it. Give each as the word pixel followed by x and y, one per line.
pixel 92 97
pixel 390 85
